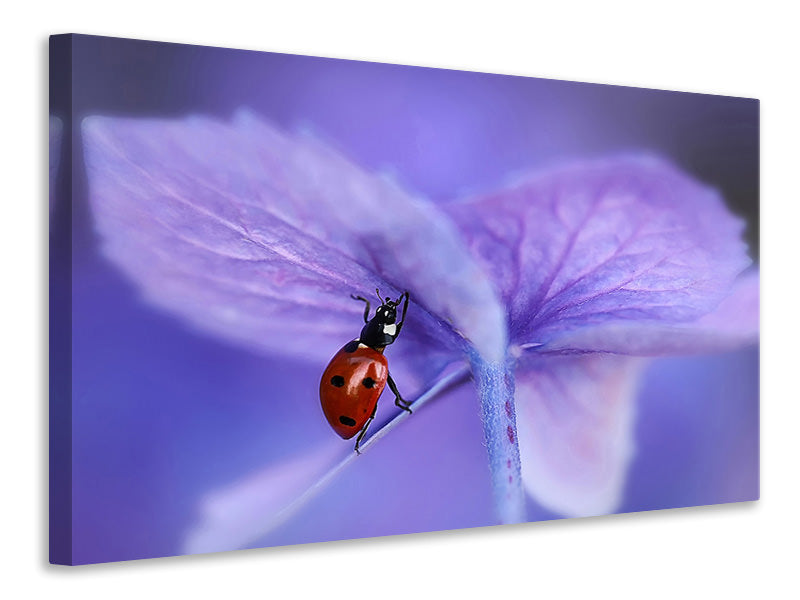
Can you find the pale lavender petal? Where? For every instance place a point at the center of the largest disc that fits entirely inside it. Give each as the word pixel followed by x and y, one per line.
pixel 624 244
pixel 55 126
pixel 237 515
pixel 260 237
pixel 733 324
pixel 737 316
pixel 575 421
pixel 232 517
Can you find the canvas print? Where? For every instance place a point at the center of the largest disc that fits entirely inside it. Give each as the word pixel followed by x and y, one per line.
pixel 298 299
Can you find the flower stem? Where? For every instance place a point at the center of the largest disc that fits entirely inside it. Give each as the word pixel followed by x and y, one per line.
pixel 447 382
pixel 495 383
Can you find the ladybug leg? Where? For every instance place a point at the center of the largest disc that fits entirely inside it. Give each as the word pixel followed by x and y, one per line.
pixel 398 399
pixel 403 316
pixel 366 308
pixel 363 431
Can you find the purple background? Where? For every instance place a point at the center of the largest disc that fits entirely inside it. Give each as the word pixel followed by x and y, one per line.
pixel 162 415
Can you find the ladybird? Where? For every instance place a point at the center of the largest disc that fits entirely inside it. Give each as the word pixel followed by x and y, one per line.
pixel 357 374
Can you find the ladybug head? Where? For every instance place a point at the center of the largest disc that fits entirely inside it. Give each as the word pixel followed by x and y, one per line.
pixel 387 311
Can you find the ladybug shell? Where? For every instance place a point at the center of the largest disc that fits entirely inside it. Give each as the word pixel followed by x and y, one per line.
pixel 350 387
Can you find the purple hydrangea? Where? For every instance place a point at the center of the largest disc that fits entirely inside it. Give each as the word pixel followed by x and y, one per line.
pixel 549 294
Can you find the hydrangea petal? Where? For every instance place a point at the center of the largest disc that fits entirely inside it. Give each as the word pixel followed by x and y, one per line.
pixel 575 423
pixel 733 324
pixel 234 516
pixel 260 237
pixel 613 243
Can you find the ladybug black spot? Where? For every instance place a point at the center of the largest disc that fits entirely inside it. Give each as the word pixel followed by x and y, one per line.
pixel 337 380
pixel 368 382
pixel 351 346
pixel 347 421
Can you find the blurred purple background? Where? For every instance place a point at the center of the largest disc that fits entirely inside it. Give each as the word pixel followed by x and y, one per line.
pixel 162 416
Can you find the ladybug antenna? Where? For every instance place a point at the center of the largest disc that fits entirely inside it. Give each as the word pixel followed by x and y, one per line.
pixel 377 291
